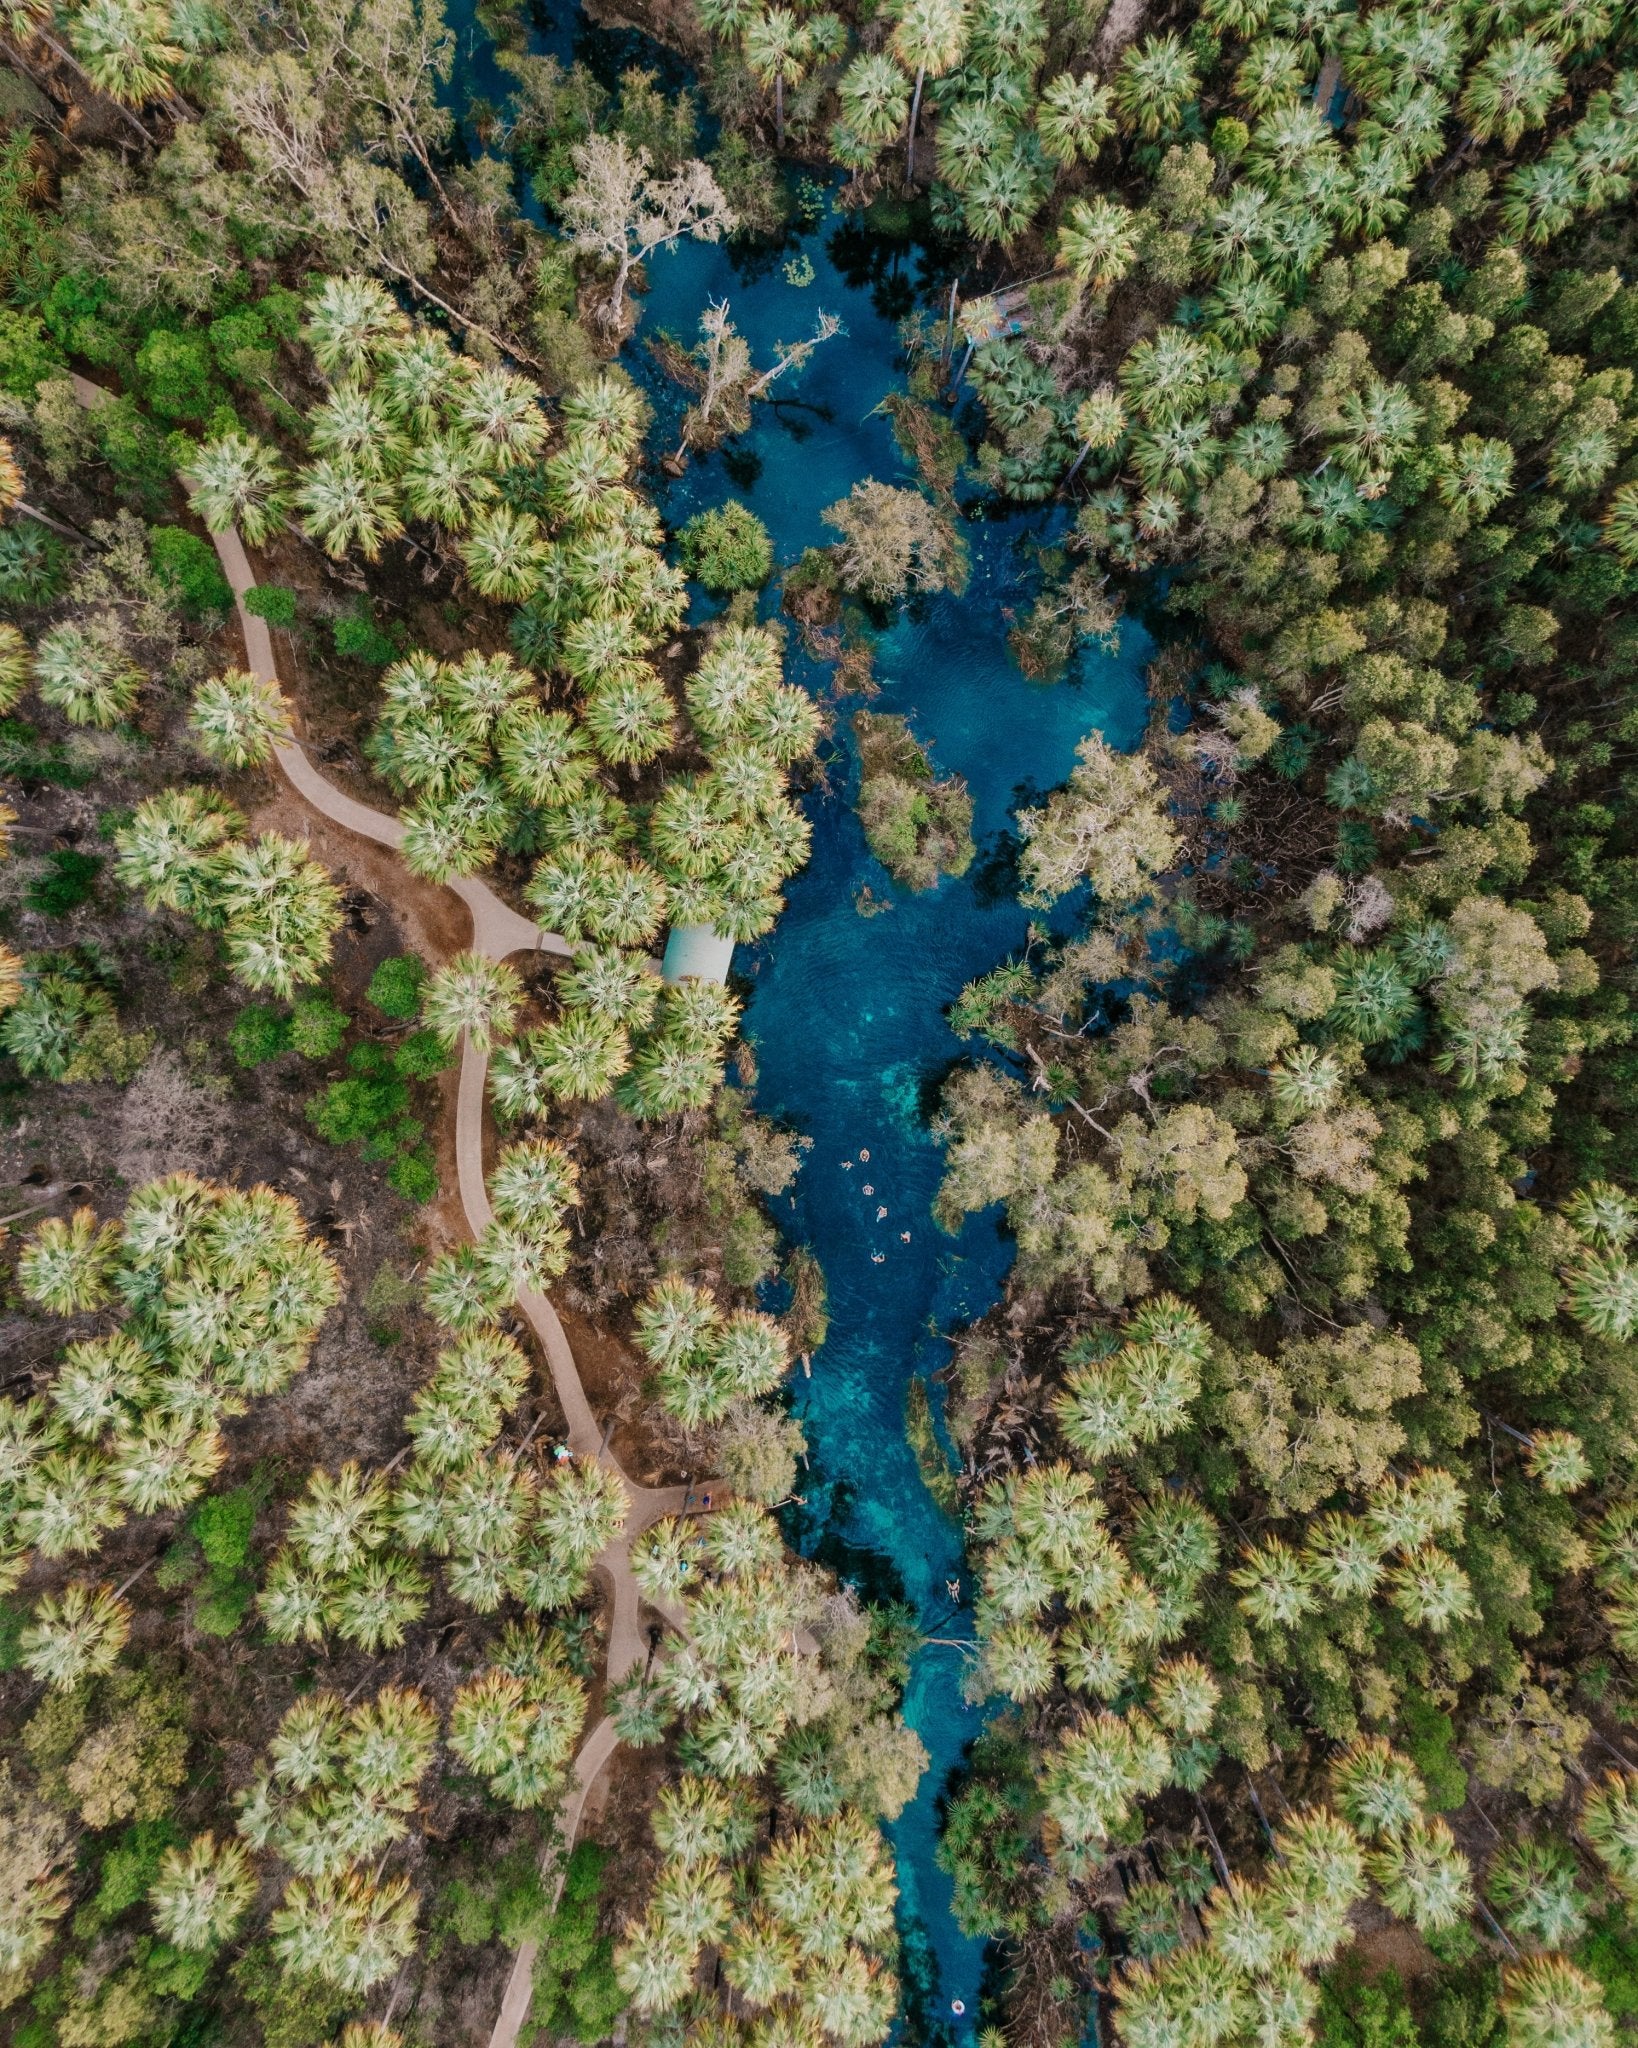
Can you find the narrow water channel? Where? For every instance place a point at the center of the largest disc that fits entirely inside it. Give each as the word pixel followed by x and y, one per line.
pixel 846 1009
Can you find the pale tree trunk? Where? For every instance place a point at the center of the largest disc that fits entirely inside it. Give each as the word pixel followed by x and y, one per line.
pixel 910 145
pixel 779 110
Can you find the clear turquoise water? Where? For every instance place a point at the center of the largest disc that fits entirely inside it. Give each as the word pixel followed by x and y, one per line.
pixel 846 1012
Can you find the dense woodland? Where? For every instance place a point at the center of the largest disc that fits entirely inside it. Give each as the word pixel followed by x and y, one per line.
pixel 1295 1468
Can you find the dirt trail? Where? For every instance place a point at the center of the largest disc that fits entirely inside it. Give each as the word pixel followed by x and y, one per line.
pixel 497 930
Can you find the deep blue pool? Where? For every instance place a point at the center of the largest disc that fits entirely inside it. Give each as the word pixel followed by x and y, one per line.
pixel 846 1010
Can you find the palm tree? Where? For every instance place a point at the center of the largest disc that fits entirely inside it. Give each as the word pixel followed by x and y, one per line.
pixel 619 986
pixel 665 1562
pixel 1474 474
pixel 380 1600
pixel 345 1929
pixel 501 412
pixel 874 99
pixel 1609 1822
pixel 1549 2003
pixel 124 49
pixel 1097 241
pixel 446 480
pixel 630 718
pixel 351 322
pixel 75 1635
pixel 165 1462
pixel 352 427
pixel 85 674
pixel 543 757
pixel 281 912
pixel 68 1500
pixel 239 719
pixel 1378 1790
pixel 459 1293
pixel 415 379
pixel 344 505
pixel 778 47
pixel 1275 1584
pixel 1074 117
pixel 1603 1295
pixel 655 1967
pixel 474 995
pixel 1423 1876
pixel 202 1893
pixel 533 1183
pixel 489 1721
pixel 237 480
pixel 1512 87
pixel 1183 1695
pixel 66 1266
pixel 339 1520
pixel 677 1321
pixel 928 39
pixel 170 848
pixel 502 554
pixel 581 1056
pixel 1156 81
pixel 1535 1885
pixel 294 1602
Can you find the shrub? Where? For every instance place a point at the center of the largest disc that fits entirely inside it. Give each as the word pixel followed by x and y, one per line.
pixel 31 563
pixel 258 1033
pixel 395 986
pixel 317 1027
pixel 414 1175
pixel 173 373
pixel 67 882
pixel 222 1602
pixel 1428 1738
pixel 222 1524
pixel 421 1055
pixel 132 1864
pixel 27 355
pixel 271 601
pixel 359 638
pixel 727 548
pixel 189 567
pixel 576 1991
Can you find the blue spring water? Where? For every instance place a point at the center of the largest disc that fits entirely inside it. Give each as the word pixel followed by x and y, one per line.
pixel 846 1010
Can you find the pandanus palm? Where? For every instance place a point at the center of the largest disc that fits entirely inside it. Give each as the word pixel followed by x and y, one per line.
pixel 344 505
pixel 239 719
pixel 928 39
pixel 202 1893
pixel 1549 2003
pixel 236 480
pixel 502 553
pixel 75 1635
pixel 1097 241
pixel 126 48
pixel 874 98
pixel 84 672
pixel 351 322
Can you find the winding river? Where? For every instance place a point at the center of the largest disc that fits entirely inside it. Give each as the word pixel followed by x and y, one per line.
pixel 846 1010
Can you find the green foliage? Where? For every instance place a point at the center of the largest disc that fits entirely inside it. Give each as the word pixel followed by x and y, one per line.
pixel 70 879
pixel 317 1027
pixel 222 1524
pixel 576 1991
pixel 271 601
pixel 258 1033
pixel 173 376
pixel 421 1056
pixel 1428 1736
pixel 131 1865
pixel 395 986
pixel 1610 1953
pixel 918 827
pixel 357 637
pixel 1355 2013
pixel 726 548
pixel 187 565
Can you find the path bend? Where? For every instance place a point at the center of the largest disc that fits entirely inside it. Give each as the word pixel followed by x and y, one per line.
pixel 497 930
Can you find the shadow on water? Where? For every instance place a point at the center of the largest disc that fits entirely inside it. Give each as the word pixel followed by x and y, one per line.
pixel 847 1012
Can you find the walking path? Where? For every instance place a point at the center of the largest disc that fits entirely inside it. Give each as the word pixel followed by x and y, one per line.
pixel 497 930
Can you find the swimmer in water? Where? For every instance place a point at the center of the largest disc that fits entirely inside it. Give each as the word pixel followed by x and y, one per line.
pixel 869 1190
pixel 864 1154
pixel 847 1165
pixel 880 1213
pixel 904 1237
pixel 878 1258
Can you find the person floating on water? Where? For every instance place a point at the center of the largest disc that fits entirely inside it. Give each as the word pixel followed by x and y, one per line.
pixel 878 1258
pixel 880 1213
pixel 864 1154
pixel 904 1237
pixel 869 1190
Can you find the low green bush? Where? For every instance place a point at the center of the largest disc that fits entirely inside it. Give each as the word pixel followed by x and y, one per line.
pixel 271 601
pixel 68 881
pixel 395 987
pixel 258 1034
pixel 189 567
pixel 317 1027
pixel 358 638
pixel 727 548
